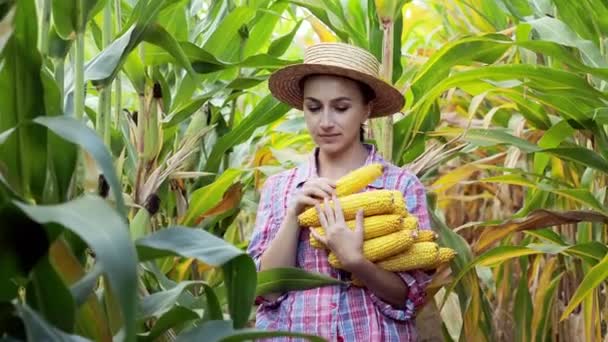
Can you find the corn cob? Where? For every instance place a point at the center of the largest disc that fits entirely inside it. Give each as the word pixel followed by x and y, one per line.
pixel 358 179
pixel 425 235
pixel 375 202
pixel 374 226
pixel 410 222
pixel 400 208
pixel 381 247
pixel 419 255
pixel 444 256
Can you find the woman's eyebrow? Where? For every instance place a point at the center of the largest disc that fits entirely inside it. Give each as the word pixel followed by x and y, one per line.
pixel 341 98
pixel 311 98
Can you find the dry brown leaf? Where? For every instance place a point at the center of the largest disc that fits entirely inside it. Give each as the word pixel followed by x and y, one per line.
pixel 538 219
pixel 231 198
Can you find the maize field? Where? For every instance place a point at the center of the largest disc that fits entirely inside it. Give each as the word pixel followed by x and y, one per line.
pixel 135 136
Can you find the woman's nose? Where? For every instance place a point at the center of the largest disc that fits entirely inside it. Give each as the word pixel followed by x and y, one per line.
pixel 326 120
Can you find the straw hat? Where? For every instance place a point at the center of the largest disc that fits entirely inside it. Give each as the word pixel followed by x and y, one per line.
pixel 336 59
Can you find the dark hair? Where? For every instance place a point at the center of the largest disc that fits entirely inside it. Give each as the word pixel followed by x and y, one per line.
pixel 367 93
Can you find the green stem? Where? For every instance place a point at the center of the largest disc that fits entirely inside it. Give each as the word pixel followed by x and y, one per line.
pixel 79 76
pixel 59 77
pixel 117 82
pixel 383 127
pixel 44 27
pixel 106 111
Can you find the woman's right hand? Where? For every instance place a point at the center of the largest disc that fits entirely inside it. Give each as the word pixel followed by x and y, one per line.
pixel 314 191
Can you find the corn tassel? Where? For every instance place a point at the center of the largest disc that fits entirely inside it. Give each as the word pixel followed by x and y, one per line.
pixel 377 202
pixel 420 255
pixel 358 179
pixel 373 226
pixel 381 248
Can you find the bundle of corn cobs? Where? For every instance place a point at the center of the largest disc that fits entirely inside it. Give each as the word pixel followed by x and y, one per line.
pixel 392 238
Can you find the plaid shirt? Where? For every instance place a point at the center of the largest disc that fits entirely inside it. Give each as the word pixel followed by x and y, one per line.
pixel 339 312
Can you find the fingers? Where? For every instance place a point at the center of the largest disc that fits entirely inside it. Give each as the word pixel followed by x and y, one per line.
pixel 326 187
pixel 309 201
pixel 319 238
pixel 319 193
pixel 329 213
pixel 359 226
pixel 338 209
pixel 322 218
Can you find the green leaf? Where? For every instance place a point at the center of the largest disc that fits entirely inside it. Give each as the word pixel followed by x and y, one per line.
pixel 592 252
pixel 39 330
pixel 552 138
pixel 319 10
pixel 64 18
pixel 239 270
pixel 216 331
pixel 491 258
pixel 580 155
pixel 523 310
pixel 279 280
pixel 49 295
pixel 279 46
pixel 240 277
pixel 213 310
pixel 262 30
pixel 207 197
pixel 78 133
pixel 463 51
pixel 266 112
pixel 490 137
pixel 23 155
pixel 554 30
pixel 548 302
pixel 159 303
pixel 23 243
pixel 103 229
pixel 188 243
pixel 225 40
pixel 158 36
pixel 173 319
pixel 594 278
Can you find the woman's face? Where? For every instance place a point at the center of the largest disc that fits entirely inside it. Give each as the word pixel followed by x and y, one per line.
pixel 334 110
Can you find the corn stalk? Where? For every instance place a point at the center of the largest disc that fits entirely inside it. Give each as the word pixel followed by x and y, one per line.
pixel 382 128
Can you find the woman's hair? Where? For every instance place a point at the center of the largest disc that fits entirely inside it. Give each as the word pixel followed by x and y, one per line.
pixel 367 93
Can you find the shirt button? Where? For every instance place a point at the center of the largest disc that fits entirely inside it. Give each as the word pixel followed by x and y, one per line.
pixel 333 305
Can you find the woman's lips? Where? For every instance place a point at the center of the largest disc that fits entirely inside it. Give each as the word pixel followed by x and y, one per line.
pixel 329 137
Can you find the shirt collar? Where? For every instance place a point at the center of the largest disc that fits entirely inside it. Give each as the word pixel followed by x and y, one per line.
pixel 308 169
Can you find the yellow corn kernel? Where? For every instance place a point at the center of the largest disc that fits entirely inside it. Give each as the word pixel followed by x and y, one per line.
pixel 425 235
pixel 381 247
pixel 358 179
pixel 373 226
pixel 410 222
pixel 419 255
pixel 376 202
pixel 400 207
pixel 445 255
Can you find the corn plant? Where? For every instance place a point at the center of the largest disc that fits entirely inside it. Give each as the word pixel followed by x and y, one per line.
pixel 113 220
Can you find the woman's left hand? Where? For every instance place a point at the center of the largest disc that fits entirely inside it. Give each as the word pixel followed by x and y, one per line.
pixel 347 244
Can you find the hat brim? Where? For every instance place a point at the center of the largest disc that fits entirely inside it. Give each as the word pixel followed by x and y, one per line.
pixel 284 84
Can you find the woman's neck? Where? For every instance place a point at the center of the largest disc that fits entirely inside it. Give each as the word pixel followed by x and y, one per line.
pixel 337 165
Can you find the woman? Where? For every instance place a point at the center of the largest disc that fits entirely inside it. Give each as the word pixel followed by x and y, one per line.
pixel 338 89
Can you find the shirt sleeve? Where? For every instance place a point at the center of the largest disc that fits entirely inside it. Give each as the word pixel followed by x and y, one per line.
pixel 416 280
pixel 266 226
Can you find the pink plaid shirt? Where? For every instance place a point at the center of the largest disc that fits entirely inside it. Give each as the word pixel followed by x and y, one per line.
pixel 340 312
